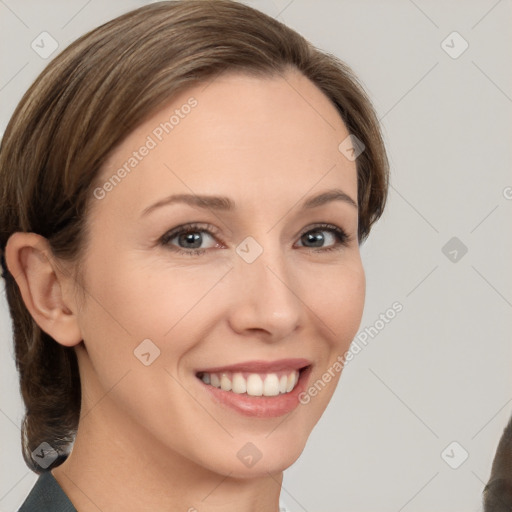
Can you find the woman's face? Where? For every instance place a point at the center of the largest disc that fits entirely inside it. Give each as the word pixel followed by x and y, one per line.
pixel 184 296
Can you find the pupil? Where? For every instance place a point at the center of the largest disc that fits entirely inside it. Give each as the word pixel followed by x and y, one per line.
pixel 191 238
pixel 315 239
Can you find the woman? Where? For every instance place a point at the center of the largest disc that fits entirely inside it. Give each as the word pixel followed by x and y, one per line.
pixel 184 191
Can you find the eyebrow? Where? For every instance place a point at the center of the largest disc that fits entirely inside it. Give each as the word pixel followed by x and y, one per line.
pixel 223 203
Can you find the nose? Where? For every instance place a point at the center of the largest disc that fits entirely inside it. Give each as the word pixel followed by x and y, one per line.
pixel 265 297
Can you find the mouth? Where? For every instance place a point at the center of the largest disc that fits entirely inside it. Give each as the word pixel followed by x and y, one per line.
pixel 258 388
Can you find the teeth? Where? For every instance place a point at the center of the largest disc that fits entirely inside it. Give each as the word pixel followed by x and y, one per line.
pixel 283 384
pixel 291 382
pixel 254 384
pixel 271 385
pixel 239 384
pixel 225 383
pixel 214 380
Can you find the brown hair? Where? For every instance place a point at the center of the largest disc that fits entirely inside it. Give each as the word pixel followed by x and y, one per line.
pixel 85 102
pixel 497 493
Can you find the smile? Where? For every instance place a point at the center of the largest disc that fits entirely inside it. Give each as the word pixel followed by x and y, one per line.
pixel 257 388
pixel 254 384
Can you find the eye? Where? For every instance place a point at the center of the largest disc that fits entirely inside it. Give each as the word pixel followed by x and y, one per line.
pixel 315 237
pixel 189 238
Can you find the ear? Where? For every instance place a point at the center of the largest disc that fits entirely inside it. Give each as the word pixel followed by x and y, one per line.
pixel 42 283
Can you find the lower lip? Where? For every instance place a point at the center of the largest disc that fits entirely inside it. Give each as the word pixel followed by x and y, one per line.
pixel 261 406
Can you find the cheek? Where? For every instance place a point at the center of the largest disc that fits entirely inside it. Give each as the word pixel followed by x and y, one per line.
pixel 144 299
pixel 338 302
pixel 338 298
pixel 131 300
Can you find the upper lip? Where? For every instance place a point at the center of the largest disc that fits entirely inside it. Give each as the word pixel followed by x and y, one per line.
pixel 260 366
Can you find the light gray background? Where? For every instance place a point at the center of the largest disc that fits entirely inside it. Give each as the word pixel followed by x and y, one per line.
pixel 440 370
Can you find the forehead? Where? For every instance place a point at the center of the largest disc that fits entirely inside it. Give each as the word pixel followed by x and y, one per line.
pixel 250 137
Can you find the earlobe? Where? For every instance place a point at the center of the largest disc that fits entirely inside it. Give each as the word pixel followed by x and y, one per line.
pixel 41 283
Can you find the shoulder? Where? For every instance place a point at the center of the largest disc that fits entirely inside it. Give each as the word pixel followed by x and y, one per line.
pixel 47 496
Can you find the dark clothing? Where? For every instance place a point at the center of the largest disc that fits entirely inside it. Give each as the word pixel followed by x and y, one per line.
pixel 47 496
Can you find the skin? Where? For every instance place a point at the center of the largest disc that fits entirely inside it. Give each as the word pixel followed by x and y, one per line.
pixel 149 437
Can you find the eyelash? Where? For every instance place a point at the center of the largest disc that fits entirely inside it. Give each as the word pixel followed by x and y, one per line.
pixel 342 238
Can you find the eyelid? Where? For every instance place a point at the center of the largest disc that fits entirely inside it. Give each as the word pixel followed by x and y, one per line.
pixel 325 226
pixel 191 226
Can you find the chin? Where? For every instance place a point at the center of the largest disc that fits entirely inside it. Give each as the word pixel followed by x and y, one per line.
pixel 259 456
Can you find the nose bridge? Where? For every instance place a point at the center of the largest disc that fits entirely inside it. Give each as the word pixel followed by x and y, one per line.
pixel 266 298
